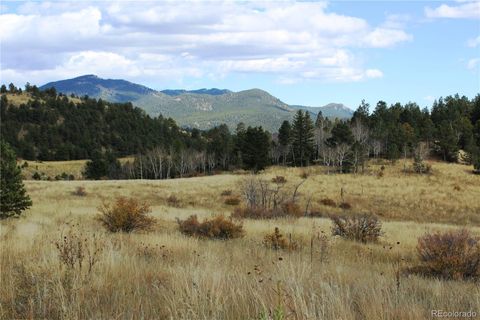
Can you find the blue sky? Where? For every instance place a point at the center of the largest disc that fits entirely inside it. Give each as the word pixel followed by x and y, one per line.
pixel 309 53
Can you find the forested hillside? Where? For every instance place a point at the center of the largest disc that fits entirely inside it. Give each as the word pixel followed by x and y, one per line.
pixel 52 127
pixel 55 127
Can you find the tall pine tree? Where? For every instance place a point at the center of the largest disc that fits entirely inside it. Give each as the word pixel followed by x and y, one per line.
pixel 302 138
pixel 255 148
pixel 285 139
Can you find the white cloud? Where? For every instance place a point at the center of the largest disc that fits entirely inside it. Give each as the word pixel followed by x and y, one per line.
pixel 472 64
pixel 381 37
pixel 474 42
pixel 374 73
pixel 164 39
pixel 467 9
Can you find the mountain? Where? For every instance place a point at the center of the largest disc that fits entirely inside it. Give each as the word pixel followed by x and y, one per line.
pixel 203 108
pixel 331 110
pixel 213 91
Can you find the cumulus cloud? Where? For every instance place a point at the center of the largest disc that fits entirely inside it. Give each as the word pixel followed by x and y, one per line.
pixel 381 37
pixel 464 9
pixel 291 40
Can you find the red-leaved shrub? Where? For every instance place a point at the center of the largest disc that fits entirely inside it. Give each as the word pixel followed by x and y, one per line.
pixel 216 228
pixel 328 202
pixel 232 201
pixel 449 255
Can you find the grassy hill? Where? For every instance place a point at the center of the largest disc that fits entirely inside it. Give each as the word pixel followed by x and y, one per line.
pixel 202 108
pixel 17 99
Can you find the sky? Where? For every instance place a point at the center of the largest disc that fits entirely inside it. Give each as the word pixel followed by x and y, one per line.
pixel 305 53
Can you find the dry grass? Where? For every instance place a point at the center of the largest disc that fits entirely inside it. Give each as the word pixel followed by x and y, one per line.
pixel 163 274
pixel 55 168
pixel 18 99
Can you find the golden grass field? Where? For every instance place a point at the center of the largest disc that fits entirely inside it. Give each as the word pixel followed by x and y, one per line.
pixel 55 168
pixel 22 98
pixel 162 274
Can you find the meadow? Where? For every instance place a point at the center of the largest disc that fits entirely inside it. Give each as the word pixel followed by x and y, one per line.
pixel 163 274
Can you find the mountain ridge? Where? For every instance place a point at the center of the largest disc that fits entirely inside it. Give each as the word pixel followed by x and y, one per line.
pixel 201 108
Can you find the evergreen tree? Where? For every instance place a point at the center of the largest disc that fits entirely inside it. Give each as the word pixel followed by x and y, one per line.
pixel 302 138
pixel 96 168
pixel 285 139
pixel 255 149
pixel 341 134
pixel 362 113
pixel 447 142
pixel 284 133
pixel 103 166
pixel 13 196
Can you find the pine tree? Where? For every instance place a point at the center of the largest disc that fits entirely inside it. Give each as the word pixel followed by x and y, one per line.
pixel 13 196
pixel 302 138
pixel 284 133
pixel 255 149
pixel 284 139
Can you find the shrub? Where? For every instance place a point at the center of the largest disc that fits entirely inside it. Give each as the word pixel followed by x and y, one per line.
pixel 476 165
pixel 291 209
pixel 173 201
pixel 232 201
pixel 277 241
pixel 252 213
pixel 80 192
pixel 36 176
pixel 328 202
pixel 76 250
pixel 216 228
pixel 449 255
pixel 126 215
pixel 226 193
pixel 304 174
pixel 420 167
pixel 345 206
pixel 316 213
pixel 279 180
pixel 359 227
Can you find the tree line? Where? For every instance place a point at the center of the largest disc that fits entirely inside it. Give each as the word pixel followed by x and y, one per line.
pixel 390 132
pixel 53 127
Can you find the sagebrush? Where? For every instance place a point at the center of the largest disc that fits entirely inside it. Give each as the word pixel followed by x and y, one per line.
pixel 358 227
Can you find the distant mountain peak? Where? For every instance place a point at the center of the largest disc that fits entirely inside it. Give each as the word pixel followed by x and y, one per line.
pixel 202 108
pixel 212 91
pixel 338 106
pixel 87 76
